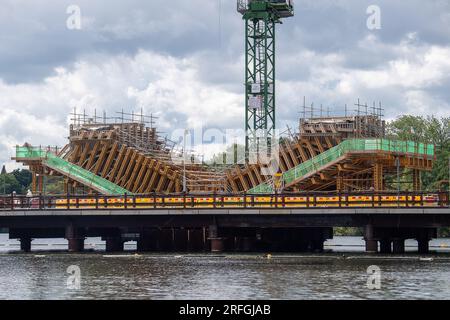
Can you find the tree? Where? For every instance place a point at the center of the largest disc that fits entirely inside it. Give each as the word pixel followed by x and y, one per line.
pixel 24 177
pixel 428 130
pixel 9 184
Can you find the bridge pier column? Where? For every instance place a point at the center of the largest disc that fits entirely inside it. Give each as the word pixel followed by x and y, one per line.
pixel 386 246
pixel 423 239
pixel 423 245
pixel 398 246
pixel 25 244
pixel 75 237
pixel 76 244
pixel 319 237
pixel 114 244
pixel 371 243
pixel 217 243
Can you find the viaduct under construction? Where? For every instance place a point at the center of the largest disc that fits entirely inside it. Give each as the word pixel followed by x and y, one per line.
pixel 341 154
pixel 334 156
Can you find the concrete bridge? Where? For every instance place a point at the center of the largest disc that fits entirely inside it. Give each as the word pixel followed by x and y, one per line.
pixel 218 228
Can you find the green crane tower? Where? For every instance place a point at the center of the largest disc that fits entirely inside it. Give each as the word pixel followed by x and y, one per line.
pixel 260 17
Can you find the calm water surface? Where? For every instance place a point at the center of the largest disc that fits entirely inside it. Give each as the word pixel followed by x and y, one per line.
pixel 42 274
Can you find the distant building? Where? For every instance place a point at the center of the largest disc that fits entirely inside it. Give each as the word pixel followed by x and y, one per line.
pixel 4 170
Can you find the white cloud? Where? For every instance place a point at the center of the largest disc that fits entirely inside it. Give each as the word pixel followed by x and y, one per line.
pixel 163 85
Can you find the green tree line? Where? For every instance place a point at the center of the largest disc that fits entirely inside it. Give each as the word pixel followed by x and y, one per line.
pixel 18 181
pixel 427 130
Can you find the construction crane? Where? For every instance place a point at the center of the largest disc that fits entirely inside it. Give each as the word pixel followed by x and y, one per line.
pixel 260 17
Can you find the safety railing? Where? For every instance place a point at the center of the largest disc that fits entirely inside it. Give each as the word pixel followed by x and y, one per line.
pixel 228 201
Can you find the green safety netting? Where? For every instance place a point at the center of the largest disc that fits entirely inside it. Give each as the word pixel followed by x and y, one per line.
pixel 338 151
pixel 83 176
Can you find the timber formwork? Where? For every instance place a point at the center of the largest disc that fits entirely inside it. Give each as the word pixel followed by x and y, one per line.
pixel 353 172
pixel 129 155
pixel 135 158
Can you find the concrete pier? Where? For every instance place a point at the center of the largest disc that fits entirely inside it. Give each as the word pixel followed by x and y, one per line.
pixel 75 237
pixel 398 246
pixel 25 244
pixel 386 245
pixel 371 242
pixel 114 244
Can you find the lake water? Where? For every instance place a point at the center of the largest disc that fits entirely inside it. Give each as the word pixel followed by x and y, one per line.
pixel 339 274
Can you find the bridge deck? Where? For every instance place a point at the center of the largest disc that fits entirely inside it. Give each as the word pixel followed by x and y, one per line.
pixel 223 211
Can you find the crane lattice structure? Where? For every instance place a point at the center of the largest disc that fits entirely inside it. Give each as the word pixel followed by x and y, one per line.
pixel 260 17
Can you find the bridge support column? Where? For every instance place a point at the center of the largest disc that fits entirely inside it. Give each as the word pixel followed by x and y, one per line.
pixel 423 245
pixel 386 246
pixel 76 244
pixel 217 243
pixel 371 243
pixel 423 239
pixel 25 244
pixel 114 244
pixel 398 246
pixel 75 237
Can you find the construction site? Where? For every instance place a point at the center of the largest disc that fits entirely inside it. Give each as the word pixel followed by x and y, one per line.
pixel 340 154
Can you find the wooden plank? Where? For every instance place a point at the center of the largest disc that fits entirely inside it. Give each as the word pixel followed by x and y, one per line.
pixel 162 179
pixel 231 181
pixel 148 173
pixel 123 165
pixel 328 142
pixel 93 156
pixel 136 170
pixel 319 144
pixel 257 171
pixel 154 177
pixel 117 163
pixel 241 177
pixel 311 150
pixel 286 165
pixel 301 150
pixel 141 174
pixel 294 158
pixel 130 166
pixel 112 155
pixel 253 180
pixel 75 154
pixel 101 158
pixel 84 154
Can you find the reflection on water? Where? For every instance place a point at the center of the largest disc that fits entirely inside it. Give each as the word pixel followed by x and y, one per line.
pixel 42 275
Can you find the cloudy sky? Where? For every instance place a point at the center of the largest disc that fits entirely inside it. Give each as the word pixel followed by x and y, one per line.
pixel 183 61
